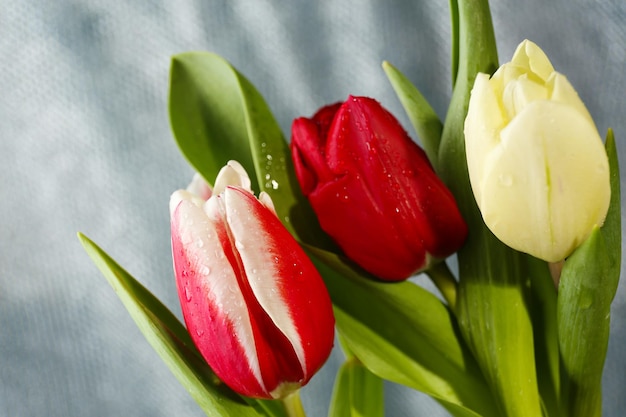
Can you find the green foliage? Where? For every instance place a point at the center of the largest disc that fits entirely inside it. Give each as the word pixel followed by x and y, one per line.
pixel 357 392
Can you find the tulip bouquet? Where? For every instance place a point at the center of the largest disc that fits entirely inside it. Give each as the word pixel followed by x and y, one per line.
pixel 295 243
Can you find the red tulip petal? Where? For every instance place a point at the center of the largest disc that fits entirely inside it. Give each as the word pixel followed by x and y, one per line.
pixel 283 281
pixel 213 306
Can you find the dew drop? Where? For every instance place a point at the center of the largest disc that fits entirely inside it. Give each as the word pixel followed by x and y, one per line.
pixel 274 184
pixel 205 270
pixel 586 300
pixel 199 243
pixel 199 332
pixel 187 294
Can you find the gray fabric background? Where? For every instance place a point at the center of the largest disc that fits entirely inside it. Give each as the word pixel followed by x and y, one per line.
pixel 85 145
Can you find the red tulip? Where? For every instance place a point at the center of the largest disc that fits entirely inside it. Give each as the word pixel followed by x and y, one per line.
pixel 254 304
pixel 373 189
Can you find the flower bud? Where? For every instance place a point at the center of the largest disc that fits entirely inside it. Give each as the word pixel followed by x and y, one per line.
pixel 254 304
pixel 373 189
pixel 537 165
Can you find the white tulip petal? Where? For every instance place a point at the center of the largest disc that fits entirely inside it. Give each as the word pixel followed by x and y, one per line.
pixel 562 91
pixel 518 93
pixel 233 174
pixel 223 285
pixel 547 185
pixel 482 128
pixel 266 200
pixel 262 267
pixel 531 57
pixel 199 187
pixel 183 195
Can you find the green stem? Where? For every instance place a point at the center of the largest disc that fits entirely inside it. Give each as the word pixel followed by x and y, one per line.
pixel 293 405
pixel 445 282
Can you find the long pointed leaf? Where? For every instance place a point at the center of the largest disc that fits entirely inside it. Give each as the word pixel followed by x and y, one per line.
pixel 357 392
pixel 612 228
pixel 422 116
pixel 583 313
pixel 206 113
pixel 172 342
pixel 405 334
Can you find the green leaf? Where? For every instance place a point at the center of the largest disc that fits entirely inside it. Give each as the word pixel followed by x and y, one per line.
pixel 583 313
pixel 405 334
pixel 172 342
pixel 206 113
pixel 588 285
pixel 612 228
pixel 217 115
pixel 422 116
pixel 357 392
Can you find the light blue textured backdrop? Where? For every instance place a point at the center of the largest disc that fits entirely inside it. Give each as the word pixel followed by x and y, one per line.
pixel 85 145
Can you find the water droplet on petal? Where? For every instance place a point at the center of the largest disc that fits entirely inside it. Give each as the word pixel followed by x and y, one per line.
pixel 187 294
pixel 205 270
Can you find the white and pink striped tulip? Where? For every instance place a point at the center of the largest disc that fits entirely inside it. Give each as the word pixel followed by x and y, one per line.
pixel 254 304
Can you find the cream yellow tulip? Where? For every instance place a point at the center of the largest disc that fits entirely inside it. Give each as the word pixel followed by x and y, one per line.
pixel 537 165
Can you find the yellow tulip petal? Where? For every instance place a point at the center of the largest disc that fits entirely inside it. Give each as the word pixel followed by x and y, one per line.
pixel 547 183
pixel 482 126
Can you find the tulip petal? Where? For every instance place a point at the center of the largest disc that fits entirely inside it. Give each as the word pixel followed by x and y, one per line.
pixel 233 173
pixel 532 58
pixel 307 151
pixel 213 306
pixel 259 257
pixel 283 281
pixel 562 91
pixel 199 187
pixel 485 119
pixel 550 161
